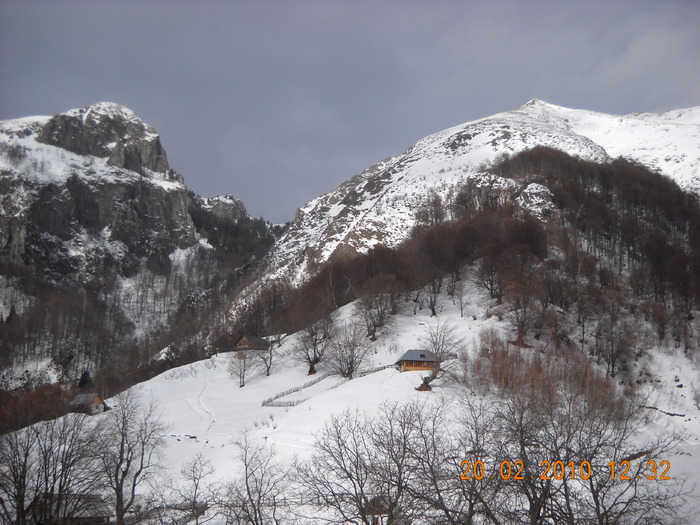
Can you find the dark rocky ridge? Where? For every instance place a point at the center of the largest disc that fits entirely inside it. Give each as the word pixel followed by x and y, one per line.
pixel 108 131
pixel 95 220
pixel 103 247
pixel 130 219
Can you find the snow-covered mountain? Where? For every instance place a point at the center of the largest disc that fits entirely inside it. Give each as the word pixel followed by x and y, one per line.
pixel 90 207
pixel 595 316
pixel 79 184
pixel 379 205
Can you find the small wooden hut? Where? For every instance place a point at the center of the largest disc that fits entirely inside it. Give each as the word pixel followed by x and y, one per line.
pixel 416 360
pixel 251 342
pixel 377 511
pixel 89 404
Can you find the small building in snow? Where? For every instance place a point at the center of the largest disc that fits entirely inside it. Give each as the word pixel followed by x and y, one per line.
pixel 416 360
pixel 89 404
pixel 377 511
pixel 251 342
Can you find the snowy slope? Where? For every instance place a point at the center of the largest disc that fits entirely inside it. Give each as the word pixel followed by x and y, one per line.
pixel 207 410
pixel 379 205
pixel 667 143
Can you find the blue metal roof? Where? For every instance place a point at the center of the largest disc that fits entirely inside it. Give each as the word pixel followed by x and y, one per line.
pixel 417 355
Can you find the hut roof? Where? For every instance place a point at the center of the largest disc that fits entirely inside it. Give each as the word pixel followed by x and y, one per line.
pixel 84 399
pixel 254 341
pixel 418 355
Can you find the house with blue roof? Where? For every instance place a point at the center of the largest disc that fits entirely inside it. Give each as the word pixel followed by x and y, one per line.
pixel 416 360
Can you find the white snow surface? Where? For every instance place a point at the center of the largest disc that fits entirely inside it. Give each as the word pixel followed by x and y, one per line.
pixel 207 411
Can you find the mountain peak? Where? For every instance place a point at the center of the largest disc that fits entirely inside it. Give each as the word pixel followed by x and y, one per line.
pixel 534 102
pixel 380 205
pixel 540 104
pixel 111 110
pixel 107 130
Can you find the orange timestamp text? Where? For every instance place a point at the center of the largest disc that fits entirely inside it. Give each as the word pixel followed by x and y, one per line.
pixel 515 470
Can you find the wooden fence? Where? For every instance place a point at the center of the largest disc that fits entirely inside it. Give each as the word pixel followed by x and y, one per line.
pixel 272 401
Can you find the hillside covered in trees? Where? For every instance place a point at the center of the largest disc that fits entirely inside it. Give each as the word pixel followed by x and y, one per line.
pixel 619 245
pixel 106 258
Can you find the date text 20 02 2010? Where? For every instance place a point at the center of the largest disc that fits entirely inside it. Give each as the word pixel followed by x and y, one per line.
pixel 515 470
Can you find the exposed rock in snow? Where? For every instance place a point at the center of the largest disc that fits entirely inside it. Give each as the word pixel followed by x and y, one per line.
pixel 379 204
pixel 225 207
pixel 109 131
pixel 537 200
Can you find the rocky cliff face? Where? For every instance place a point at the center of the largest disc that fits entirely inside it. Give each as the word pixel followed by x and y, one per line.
pixel 108 131
pixel 102 245
pixel 89 191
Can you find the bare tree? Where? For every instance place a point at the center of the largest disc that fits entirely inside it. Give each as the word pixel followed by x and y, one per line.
pixel 487 272
pixel 131 439
pixel 615 338
pixel 431 212
pixel 361 464
pixel 433 292
pixel 461 293
pixel 193 495
pixel 348 350
pixel 523 288
pixel 585 315
pixel 266 357
pixel 640 495
pixel 448 483
pixel 17 467
pixel 276 298
pixel 375 310
pixel 313 341
pixel 256 497
pixel 240 365
pixel 337 477
pixel 49 467
pixel 187 498
pixel 441 340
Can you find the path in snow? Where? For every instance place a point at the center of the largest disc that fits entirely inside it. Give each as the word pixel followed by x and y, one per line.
pixel 212 418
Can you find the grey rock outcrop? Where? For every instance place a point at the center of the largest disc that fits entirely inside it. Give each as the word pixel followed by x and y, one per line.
pixel 115 202
pixel 226 207
pixel 103 249
pixel 110 131
pixel 80 230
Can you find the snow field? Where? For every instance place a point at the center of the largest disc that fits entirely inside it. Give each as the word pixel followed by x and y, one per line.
pixel 208 411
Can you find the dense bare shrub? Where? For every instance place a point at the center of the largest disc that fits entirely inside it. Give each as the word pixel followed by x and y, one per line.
pixel 256 494
pixel 358 459
pixel 312 343
pixel 348 350
pixel 52 459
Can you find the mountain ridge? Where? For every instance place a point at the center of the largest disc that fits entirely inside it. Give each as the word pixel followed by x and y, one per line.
pixel 378 205
pixel 91 211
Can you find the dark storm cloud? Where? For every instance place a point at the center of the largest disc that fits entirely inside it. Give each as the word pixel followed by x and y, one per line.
pixel 279 101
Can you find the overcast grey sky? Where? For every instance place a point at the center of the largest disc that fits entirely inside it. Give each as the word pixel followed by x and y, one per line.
pixel 277 102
